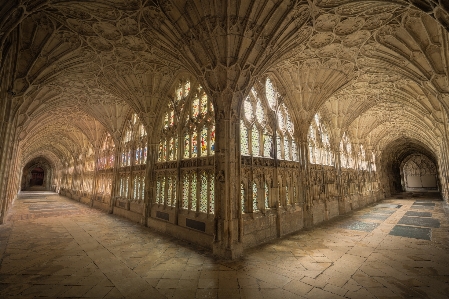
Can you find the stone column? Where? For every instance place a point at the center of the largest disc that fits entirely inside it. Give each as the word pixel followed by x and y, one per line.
pixel 227 243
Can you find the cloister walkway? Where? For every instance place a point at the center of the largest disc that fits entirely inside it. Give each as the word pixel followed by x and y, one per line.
pixel 56 248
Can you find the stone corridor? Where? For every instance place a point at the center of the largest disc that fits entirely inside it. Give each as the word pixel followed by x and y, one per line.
pixel 56 248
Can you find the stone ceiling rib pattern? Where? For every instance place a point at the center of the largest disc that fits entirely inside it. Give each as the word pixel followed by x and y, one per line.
pixel 83 66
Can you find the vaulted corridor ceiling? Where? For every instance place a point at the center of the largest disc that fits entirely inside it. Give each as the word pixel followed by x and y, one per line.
pixel 378 68
pixel 77 76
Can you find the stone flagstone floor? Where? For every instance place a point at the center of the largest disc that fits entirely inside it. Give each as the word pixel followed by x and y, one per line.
pixel 53 247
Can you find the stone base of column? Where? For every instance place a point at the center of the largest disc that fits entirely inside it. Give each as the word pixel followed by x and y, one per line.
pixel 308 217
pixel 235 252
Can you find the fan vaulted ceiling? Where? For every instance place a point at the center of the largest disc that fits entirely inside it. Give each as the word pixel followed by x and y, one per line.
pixel 378 69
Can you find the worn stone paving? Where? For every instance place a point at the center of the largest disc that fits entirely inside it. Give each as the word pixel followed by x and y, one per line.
pixel 53 247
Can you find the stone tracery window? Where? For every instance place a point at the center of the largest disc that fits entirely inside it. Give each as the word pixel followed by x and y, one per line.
pixel 106 154
pixel 363 163
pixel 261 117
pixel 133 157
pixel 320 151
pixel 266 131
pixel 188 132
pixel 346 154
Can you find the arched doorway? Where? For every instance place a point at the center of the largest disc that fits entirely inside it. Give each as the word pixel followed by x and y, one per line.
pixel 37 177
pixel 419 173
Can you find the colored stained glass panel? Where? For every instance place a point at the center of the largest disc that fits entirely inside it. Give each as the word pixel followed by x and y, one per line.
pixel 204 142
pixel 194 144
pixel 186 146
pixel 203 104
pixel 212 140
pixel 195 108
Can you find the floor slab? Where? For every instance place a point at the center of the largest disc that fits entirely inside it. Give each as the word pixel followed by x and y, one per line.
pixel 52 247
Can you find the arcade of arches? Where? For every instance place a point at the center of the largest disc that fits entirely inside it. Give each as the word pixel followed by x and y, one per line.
pixel 227 123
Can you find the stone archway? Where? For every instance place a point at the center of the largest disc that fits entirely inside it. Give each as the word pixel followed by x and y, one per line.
pixel 419 173
pixel 37 177
pixel 38 173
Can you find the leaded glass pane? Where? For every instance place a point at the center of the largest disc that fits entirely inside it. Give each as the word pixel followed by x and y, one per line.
pixel 287 199
pixel 203 193
pixel 174 187
pixel 294 151
pixel 171 149
pixel 204 142
pixel 267 199
pixel 158 191
pixel 203 104
pixel 193 193
pixel 248 109
pixel 255 141
pixel 169 191
pixel 286 148
pixel 211 194
pixel 160 152
pixel 142 190
pixel 290 126
pixel 255 197
pixel 260 115
pixel 267 145
pixel 194 144
pixel 244 139
pixel 185 191
pixel 212 140
pixel 186 146
pixel 281 120
pixel 163 190
pixel 270 93
pixel 195 107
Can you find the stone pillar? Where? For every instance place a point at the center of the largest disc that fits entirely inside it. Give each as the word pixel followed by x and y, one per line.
pixel 227 199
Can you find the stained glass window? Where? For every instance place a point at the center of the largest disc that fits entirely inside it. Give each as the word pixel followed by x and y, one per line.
pixel 320 151
pixel 244 146
pixel 211 193
pixel 255 208
pixel 267 145
pixel 287 199
pixel 203 195
pixel 204 142
pixel 194 135
pixel 286 148
pixel 193 195
pixel 346 158
pixel 169 191
pixel 107 152
pixel 255 141
pixel 212 140
pixel 186 146
pixel 194 144
pixel 185 191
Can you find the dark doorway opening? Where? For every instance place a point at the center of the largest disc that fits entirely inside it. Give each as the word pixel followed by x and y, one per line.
pixel 37 177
